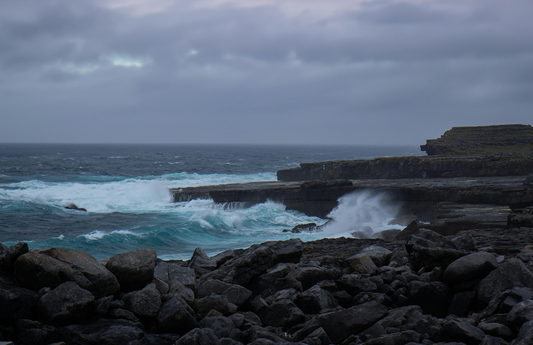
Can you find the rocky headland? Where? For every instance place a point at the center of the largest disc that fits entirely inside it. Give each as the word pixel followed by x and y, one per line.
pixel 460 272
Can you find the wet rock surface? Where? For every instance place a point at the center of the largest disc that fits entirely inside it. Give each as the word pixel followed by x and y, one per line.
pixel 474 287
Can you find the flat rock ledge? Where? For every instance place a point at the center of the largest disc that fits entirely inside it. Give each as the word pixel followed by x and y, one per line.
pixel 474 287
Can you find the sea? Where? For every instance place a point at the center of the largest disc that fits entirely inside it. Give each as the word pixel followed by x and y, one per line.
pixel 125 190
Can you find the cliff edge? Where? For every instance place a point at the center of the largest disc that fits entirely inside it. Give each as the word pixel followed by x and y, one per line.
pixel 481 140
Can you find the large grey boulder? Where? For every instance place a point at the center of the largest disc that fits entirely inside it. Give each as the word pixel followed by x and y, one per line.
pixel 509 274
pixel 170 272
pixel 255 261
pixel 379 255
pixel 428 249
pixel 219 303
pixel 8 255
pixel 66 304
pixel 235 293
pixel 283 313
pixel 103 332
pixel 199 336
pixel 520 314
pixel 134 270
pixel 454 330
pixel 16 302
pixel 50 268
pixel 143 303
pixel 470 267
pixel 525 335
pixel 175 315
pixel 201 263
pixel 410 318
pixel 313 300
pixel 340 324
pixel 221 325
pixel 36 333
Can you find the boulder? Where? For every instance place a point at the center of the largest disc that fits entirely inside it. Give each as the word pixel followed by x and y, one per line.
pixel 313 300
pixel 432 297
pixel 169 272
pixel 404 337
pixel 143 303
pixel 469 267
pixel 66 304
pixel 221 325
pixel 429 249
pixel 255 260
pixel 354 284
pixel 201 263
pixel 217 302
pixel 36 333
pixel 496 330
pixel 178 288
pixel 16 302
pixel 199 336
pixel 410 318
pixel 134 270
pixel 283 313
pixel 362 264
pixel 509 274
pixel 453 330
pixel 103 332
pixel 175 315
pixel 525 335
pixel 340 324
pixel 520 314
pixel 379 255
pixel 8 255
pixel 309 276
pixel 51 267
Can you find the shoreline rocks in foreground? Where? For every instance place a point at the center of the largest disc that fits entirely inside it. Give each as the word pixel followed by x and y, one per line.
pixel 471 288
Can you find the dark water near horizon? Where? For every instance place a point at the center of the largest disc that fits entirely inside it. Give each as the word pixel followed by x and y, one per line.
pixel 125 189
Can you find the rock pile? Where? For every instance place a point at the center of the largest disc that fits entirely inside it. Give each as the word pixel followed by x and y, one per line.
pixel 429 289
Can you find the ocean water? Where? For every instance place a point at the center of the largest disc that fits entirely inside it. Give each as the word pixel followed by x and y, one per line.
pixel 125 189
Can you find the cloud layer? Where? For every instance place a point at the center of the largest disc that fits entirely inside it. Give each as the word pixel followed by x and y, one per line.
pixel 261 71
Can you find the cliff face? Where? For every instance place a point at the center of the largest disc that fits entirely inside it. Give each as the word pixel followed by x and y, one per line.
pixel 481 140
pixel 412 167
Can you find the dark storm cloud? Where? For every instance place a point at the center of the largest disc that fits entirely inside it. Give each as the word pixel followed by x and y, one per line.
pixel 389 72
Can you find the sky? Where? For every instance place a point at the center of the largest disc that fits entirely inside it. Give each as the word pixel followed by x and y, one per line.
pixel 350 72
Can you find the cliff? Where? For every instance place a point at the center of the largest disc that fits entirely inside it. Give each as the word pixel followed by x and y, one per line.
pixel 503 164
pixel 481 140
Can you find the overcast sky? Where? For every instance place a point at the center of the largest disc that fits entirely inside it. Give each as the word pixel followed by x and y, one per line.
pixel 391 72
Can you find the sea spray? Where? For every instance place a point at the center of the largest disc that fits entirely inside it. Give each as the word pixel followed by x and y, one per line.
pixel 361 214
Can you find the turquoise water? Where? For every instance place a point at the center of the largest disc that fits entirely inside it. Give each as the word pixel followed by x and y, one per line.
pixel 125 189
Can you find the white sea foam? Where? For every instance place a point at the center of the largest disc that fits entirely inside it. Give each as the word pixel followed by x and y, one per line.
pixel 137 195
pixel 98 234
pixel 365 212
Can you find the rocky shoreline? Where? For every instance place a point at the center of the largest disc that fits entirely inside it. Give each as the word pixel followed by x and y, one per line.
pixel 464 277
pixel 474 287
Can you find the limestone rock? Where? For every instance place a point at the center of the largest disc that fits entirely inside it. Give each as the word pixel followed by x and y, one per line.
pixel 16 302
pixel 340 324
pixel 65 304
pixel 103 332
pixel 143 303
pixel 429 249
pixel 511 273
pixel 134 270
pixel 175 315
pixel 469 267
pixel 51 267
pixel 199 336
